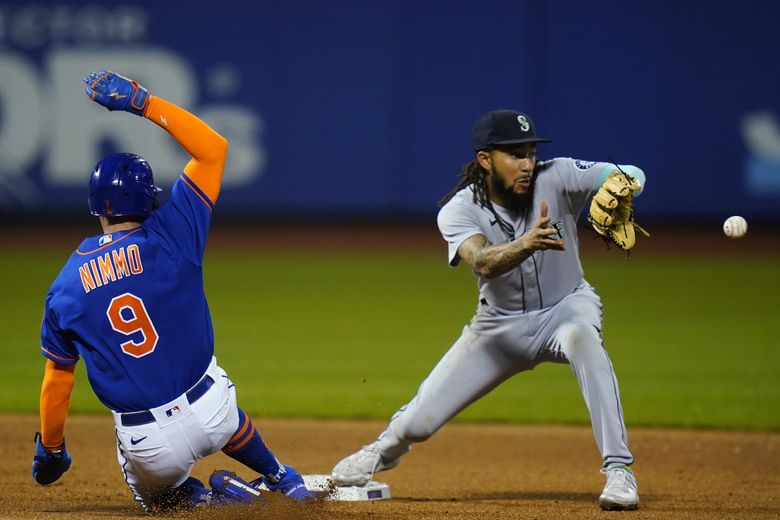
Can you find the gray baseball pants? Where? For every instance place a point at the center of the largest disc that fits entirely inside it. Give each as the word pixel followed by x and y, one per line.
pixel 494 347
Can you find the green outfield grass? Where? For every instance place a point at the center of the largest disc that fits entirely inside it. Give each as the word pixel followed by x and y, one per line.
pixel 694 340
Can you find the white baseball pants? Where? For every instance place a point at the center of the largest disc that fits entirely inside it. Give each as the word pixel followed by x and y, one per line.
pixel 159 455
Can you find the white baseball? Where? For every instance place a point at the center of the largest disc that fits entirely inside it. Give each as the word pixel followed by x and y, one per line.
pixel 735 227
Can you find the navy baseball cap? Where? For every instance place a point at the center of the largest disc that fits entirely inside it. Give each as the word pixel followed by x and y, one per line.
pixel 503 127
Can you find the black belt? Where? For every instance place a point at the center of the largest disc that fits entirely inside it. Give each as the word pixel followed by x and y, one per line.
pixel 145 416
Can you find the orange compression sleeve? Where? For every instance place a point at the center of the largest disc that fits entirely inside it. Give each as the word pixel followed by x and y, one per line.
pixel 57 386
pixel 207 148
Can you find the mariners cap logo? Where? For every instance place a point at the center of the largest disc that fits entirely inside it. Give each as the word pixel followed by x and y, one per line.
pixel 503 127
pixel 524 124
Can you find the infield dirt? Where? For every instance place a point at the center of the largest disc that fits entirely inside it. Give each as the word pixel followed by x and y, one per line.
pixel 465 471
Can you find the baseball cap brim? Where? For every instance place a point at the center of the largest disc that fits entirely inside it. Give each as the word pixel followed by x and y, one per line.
pixel 525 140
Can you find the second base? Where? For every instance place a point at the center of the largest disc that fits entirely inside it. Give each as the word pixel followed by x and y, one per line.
pixel 372 491
pixel 323 484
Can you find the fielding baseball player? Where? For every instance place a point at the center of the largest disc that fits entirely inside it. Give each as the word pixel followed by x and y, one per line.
pixel 131 303
pixel 512 219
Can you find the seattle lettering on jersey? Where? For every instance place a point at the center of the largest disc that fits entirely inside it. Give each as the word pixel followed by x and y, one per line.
pixel 110 267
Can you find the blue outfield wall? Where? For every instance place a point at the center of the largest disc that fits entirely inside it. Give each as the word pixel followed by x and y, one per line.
pixel 364 108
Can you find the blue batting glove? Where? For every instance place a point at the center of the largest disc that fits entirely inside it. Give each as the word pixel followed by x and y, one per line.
pixel 49 465
pixel 116 92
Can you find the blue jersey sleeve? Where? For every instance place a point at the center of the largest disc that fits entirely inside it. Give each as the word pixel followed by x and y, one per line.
pixel 54 341
pixel 184 220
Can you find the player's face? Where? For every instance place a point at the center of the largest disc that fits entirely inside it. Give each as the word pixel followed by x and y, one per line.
pixel 511 173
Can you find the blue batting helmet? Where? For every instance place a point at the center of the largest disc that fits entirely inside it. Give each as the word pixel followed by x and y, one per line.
pixel 122 185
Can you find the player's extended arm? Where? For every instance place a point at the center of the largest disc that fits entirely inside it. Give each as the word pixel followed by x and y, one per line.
pixel 207 148
pixel 490 260
pixel 51 456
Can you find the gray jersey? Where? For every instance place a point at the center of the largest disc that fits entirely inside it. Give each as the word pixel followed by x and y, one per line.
pixel 548 276
pixel 541 311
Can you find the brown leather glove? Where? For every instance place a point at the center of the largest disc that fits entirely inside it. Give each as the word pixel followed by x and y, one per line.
pixel 611 210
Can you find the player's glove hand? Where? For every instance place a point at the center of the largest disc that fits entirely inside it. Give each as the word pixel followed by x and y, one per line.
pixel 611 211
pixel 116 92
pixel 49 465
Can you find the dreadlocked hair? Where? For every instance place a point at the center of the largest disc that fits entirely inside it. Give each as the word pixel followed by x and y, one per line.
pixel 473 173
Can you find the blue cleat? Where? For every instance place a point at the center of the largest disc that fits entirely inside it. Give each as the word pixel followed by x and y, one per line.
pixel 190 495
pixel 290 485
pixel 227 487
pixel 197 494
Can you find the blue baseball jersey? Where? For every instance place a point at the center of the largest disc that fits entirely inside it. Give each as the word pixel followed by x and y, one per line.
pixel 132 304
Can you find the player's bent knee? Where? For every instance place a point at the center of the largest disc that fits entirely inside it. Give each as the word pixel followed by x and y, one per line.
pixel 577 337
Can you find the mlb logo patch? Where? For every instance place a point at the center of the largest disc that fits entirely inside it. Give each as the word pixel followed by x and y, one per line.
pixel 105 239
pixel 172 411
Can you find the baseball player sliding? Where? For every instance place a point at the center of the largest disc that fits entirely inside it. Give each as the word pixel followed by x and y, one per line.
pixel 131 303
pixel 512 219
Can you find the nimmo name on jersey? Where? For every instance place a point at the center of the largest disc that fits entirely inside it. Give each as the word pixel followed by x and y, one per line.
pixel 111 266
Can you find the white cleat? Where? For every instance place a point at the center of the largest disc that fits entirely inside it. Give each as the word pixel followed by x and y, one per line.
pixel 359 468
pixel 620 493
